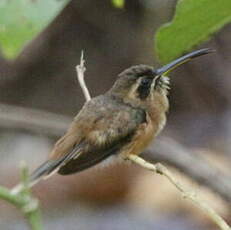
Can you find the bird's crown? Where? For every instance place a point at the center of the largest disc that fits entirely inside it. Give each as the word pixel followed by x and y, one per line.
pixel 138 71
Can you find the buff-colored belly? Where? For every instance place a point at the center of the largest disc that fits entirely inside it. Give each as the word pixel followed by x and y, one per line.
pixel 143 137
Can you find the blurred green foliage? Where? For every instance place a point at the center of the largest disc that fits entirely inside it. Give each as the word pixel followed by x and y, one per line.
pixel 22 20
pixel 193 23
pixel 118 3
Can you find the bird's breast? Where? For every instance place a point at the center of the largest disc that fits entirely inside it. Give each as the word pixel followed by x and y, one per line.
pixel 144 135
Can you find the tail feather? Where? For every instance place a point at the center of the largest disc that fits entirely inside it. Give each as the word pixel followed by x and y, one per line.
pixel 42 172
pixel 47 169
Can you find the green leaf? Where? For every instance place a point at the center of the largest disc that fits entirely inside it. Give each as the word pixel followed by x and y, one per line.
pixel 22 20
pixel 118 3
pixel 194 22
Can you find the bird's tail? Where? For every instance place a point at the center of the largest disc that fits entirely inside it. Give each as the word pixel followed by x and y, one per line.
pixel 47 169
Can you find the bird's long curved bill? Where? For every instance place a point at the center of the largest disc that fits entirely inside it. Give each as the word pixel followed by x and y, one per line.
pixel 172 65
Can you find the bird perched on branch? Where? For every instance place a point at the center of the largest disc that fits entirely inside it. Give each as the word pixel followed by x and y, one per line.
pixel 120 122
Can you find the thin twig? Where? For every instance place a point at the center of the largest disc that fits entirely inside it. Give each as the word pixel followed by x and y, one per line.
pixel 80 69
pixel 24 201
pixel 159 168
pixel 190 163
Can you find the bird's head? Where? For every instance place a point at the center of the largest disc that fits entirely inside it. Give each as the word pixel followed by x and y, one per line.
pixel 142 83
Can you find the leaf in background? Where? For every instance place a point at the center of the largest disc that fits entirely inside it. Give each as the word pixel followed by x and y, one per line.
pixel 22 20
pixel 118 3
pixel 193 23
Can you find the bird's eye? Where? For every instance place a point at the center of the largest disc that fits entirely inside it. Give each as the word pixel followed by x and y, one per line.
pixel 146 82
pixel 144 87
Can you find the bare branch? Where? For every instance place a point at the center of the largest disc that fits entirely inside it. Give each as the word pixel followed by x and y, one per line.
pixel 170 152
pixel 80 76
pixel 159 168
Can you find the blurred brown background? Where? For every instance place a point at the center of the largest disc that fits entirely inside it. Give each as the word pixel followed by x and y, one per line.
pixel 124 197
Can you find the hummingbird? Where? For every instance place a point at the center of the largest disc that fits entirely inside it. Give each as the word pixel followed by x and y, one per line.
pixel 123 121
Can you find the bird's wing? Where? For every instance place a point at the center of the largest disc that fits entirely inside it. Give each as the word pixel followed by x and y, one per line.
pixel 91 157
pixel 106 128
pixel 98 131
pixel 51 166
pixel 113 127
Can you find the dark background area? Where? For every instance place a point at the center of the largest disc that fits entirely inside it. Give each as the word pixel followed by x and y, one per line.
pixel 124 197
